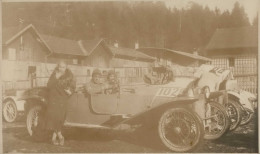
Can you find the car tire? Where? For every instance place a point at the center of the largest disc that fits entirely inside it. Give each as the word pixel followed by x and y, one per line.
pixel 187 128
pixel 9 111
pixel 222 115
pixel 32 118
pixel 234 111
pixel 247 116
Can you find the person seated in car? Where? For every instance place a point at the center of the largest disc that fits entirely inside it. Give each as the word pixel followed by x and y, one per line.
pixel 95 86
pixel 112 84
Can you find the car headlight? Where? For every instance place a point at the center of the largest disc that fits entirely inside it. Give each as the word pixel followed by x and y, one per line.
pixel 206 92
pixel 190 93
pixel 253 101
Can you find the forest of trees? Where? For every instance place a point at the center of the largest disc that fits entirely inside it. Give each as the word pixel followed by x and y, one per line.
pixel 148 23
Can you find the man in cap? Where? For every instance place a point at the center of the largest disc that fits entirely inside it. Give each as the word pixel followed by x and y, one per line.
pixel 112 84
pixel 95 86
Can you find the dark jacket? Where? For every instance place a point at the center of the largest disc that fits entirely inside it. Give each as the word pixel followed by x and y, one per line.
pixel 58 98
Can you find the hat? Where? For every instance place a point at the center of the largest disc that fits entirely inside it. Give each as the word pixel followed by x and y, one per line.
pixel 96 72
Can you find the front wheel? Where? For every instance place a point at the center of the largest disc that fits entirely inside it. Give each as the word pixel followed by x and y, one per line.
pixel 180 130
pixel 217 121
pixel 247 115
pixel 32 120
pixel 9 111
pixel 234 111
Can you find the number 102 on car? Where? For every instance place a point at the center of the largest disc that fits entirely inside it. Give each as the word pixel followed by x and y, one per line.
pixel 169 92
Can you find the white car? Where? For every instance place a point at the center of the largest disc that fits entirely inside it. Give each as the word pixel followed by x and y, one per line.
pixel 246 100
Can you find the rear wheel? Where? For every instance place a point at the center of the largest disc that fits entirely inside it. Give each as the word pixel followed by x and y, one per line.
pixel 247 116
pixel 180 130
pixel 217 121
pixel 234 112
pixel 9 111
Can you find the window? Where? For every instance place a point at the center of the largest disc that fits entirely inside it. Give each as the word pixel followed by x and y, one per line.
pixel 11 54
pixel 75 61
pixel 231 61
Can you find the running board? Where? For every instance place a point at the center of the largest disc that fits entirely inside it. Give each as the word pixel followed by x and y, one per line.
pixel 70 124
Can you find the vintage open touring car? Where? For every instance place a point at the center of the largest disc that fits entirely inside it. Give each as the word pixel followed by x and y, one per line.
pixel 166 103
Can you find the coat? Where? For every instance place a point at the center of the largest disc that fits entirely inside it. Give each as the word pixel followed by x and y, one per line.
pixel 58 99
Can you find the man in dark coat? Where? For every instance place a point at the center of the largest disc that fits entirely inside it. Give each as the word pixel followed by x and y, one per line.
pixel 61 85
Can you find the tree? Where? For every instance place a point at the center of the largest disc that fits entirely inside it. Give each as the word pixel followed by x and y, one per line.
pixel 238 16
pixel 255 21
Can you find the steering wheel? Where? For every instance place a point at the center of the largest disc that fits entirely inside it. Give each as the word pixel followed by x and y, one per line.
pixel 166 78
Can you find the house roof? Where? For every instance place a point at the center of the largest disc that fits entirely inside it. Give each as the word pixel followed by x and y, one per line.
pixel 7 33
pixel 130 53
pixel 63 46
pixel 193 56
pixel 53 43
pixel 88 46
pixel 11 33
pixel 228 38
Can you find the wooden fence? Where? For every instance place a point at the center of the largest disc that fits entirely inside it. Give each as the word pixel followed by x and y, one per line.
pixel 15 74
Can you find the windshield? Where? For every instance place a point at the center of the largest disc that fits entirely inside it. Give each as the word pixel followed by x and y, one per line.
pixel 159 75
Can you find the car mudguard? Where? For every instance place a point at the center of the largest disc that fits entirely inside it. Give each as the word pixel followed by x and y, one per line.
pixel 153 113
pixel 19 103
pixel 243 99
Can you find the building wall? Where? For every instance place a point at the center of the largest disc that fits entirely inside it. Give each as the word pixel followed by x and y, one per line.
pixel 27 48
pixel 119 62
pixel 99 58
pixel 69 59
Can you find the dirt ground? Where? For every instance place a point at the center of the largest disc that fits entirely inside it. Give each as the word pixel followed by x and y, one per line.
pixel 16 139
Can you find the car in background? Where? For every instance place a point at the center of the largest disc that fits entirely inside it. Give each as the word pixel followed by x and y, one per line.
pixel 13 108
pixel 241 104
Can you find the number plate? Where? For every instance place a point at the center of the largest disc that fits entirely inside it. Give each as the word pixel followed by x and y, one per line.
pixel 169 92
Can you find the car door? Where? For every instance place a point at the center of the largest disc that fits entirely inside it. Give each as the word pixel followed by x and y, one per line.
pixel 134 100
pixel 91 109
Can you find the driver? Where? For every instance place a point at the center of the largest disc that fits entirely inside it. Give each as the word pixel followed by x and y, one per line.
pixel 95 86
pixel 112 84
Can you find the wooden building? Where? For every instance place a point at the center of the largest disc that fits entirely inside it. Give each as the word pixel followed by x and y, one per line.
pixel 236 49
pixel 25 49
pixel 172 57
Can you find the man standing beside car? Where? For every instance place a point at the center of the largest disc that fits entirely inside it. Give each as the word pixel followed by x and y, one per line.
pixel 95 86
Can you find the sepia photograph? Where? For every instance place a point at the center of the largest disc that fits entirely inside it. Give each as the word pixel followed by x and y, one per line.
pixel 142 76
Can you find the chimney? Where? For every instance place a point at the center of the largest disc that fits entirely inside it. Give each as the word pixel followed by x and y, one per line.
pixel 136 45
pixel 116 44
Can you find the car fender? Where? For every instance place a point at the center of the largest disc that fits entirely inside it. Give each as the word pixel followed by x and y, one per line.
pixel 32 100
pixel 152 114
pixel 19 103
pixel 243 99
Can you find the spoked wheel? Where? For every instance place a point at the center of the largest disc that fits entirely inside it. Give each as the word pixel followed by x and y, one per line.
pixel 217 121
pixel 9 111
pixel 33 118
pixel 247 115
pixel 234 112
pixel 180 130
